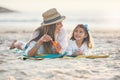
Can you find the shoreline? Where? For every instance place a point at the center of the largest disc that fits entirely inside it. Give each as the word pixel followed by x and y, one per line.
pixel 29 28
pixel 21 30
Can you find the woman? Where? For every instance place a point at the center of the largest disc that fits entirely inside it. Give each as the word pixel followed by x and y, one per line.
pixel 46 36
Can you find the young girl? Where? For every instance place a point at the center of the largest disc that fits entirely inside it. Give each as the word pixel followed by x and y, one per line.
pixel 80 42
pixel 50 37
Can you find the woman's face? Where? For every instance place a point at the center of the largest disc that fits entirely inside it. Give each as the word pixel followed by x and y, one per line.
pixel 59 26
pixel 79 33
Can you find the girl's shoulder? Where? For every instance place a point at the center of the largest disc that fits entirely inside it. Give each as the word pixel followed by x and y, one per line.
pixel 71 41
pixel 85 42
pixel 84 45
pixel 72 44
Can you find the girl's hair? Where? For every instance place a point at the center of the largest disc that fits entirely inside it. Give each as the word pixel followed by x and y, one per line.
pixel 49 30
pixel 88 38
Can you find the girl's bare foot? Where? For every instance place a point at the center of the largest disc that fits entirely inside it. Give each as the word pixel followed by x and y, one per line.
pixel 13 44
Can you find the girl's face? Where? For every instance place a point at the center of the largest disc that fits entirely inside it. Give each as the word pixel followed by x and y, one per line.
pixel 79 33
pixel 59 26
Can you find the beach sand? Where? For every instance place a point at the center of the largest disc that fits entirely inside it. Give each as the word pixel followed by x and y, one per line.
pixel 106 42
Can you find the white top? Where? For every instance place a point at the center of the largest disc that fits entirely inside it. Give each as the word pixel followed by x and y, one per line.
pixel 61 38
pixel 72 47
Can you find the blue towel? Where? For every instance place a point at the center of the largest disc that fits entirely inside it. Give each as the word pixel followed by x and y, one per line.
pixel 43 56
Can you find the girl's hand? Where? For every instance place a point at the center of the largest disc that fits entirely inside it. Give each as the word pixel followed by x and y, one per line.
pixel 78 53
pixel 45 38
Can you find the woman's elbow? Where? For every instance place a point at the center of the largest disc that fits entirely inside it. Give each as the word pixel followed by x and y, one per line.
pixel 31 53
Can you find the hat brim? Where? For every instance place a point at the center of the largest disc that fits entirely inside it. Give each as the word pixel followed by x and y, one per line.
pixel 43 24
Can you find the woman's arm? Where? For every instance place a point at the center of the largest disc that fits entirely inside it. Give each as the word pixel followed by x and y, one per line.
pixel 62 40
pixel 34 50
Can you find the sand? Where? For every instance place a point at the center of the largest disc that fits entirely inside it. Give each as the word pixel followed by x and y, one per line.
pixel 106 42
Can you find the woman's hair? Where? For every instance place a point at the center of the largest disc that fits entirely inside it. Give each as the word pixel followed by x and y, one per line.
pixel 88 38
pixel 49 30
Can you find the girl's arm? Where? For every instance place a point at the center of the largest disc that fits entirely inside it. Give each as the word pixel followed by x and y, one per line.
pixel 69 48
pixel 78 53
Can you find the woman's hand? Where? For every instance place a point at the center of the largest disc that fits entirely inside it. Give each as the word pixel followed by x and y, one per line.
pixel 58 47
pixel 45 38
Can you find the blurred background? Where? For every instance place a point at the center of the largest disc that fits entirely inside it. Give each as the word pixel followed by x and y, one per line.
pixel 27 14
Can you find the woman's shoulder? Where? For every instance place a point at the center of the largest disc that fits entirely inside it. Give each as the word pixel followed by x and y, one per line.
pixel 37 30
pixel 35 34
pixel 63 31
pixel 32 42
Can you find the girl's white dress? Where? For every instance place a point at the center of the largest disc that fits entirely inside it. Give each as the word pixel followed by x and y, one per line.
pixel 72 48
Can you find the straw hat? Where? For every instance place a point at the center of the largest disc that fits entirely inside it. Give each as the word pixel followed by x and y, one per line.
pixel 51 16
